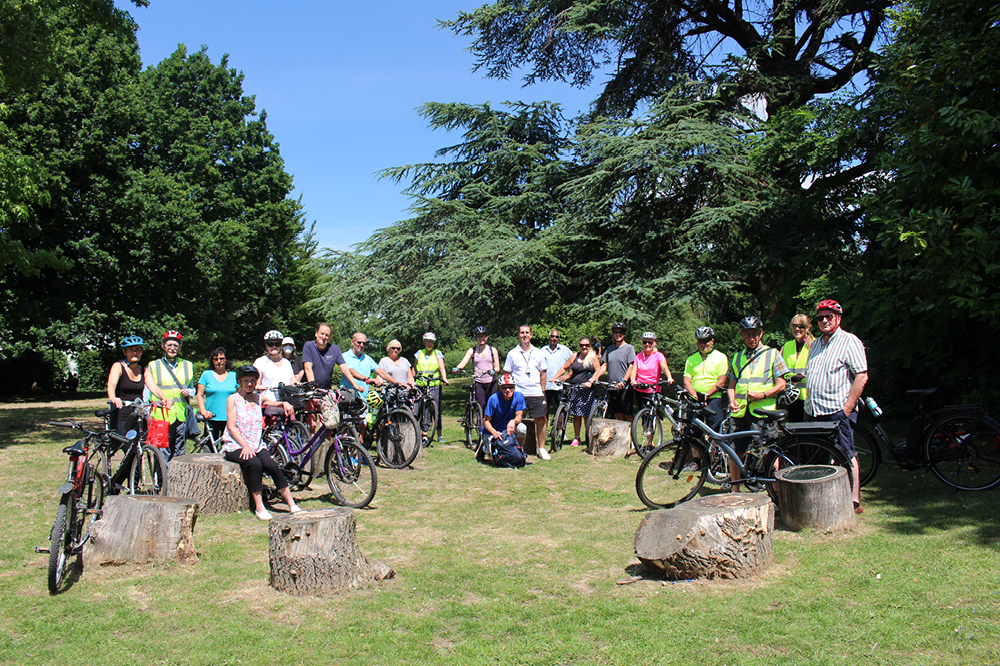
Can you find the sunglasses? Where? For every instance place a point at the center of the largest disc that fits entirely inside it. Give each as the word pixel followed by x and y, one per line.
pixel 395 348
pixel 798 326
pixel 583 346
pixel 827 317
pixel 272 344
pixel 360 344
pixel 648 342
pixel 218 358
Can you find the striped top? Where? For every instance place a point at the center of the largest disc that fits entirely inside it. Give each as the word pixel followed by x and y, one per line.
pixel 831 370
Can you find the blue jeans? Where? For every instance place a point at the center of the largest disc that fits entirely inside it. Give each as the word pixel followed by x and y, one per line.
pixel 845 433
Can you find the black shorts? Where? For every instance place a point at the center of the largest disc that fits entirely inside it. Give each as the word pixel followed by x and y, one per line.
pixel 620 401
pixel 536 407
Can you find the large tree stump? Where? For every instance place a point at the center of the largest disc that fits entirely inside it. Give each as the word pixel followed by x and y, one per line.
pixel 816 496
pixel 529 445
pixel 609 437
pixel 210 480
pixel 315 553
pixel 721 536
pixel 143 528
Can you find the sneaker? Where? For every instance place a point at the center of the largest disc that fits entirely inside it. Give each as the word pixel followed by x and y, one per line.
pixel 575 442
pixel 295 508
pixel 262 515
pixel 440 438
pixel 544 455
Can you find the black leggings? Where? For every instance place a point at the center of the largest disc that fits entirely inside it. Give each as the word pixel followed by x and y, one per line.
pixel 254 467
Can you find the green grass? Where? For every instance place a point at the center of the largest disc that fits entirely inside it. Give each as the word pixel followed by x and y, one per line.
pixel 506 567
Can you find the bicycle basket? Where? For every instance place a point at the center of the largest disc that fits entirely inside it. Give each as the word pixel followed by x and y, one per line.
pixel 330 410
pixel 349 403
pixel 292 396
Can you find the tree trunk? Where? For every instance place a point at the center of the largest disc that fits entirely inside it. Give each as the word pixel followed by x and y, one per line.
pixel 143 528
pixel 816 496
pixel 720 536
pixel 208 479
pixel 608 437
pixel 315 553
pixel 529 446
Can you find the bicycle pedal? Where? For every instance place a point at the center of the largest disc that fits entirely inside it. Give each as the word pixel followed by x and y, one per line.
pixel 41 549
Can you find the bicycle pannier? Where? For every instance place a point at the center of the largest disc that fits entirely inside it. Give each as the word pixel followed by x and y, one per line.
pixel 159 428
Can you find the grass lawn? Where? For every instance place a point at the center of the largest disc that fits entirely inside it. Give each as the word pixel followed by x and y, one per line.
pixel 505 567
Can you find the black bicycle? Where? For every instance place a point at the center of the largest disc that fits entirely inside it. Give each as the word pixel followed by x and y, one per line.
pixel 676 470
pixel 423 406
pixel 472 418
pixel 394 429
pixel 647 425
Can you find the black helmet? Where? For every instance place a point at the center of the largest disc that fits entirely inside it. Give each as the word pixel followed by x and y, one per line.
pixel 245 370
pixel 479 330
pixel 618 326
pixel 704 333
pixel 750 322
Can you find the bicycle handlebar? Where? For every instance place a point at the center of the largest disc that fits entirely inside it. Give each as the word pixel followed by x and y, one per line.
pixel 66 424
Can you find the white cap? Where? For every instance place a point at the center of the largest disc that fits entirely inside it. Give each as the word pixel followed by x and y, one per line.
pixel 288 341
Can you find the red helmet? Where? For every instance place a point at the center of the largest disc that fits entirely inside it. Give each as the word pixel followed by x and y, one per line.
pixel 506 379
pixel 830 304
pixel 173 335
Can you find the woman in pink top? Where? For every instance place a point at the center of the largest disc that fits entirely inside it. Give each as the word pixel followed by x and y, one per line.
pixel 647 368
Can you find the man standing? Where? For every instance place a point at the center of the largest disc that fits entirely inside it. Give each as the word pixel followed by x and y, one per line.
pixel 755 379
pixel 836 374
pixel 527 366
pixel 705 373
pixel 360 366
pixel 171 377
pixel 555 355
pixel 321 357
pixel 617 358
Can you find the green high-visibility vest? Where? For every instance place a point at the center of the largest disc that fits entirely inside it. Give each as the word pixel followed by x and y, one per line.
pixel 755 377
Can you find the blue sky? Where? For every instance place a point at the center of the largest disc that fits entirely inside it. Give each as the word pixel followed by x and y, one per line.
pixel 340 83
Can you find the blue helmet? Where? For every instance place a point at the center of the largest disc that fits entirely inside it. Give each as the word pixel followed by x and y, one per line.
pixel 132 341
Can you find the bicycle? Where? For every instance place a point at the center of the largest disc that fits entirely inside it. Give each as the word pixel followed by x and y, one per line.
pixel 394 429
pixel 675 471
pixel 143 467
pixel 647 425
pixel 206 442
pixel 960 444
pixel 472 419
pixel 600 408
pixel 561 418
pixel 423 407
pixel 350 472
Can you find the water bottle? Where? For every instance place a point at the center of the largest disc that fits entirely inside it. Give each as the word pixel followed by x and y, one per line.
pixel 873 407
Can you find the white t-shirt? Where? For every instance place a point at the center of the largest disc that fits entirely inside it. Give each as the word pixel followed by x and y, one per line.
pixel 272 374
pixel 526 368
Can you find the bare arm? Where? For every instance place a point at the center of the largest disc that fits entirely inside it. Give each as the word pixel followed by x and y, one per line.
pixel 465 359
pixel 563 370
pixel 307 367
pixel 349 374
pixel 113 377
pixel 857 387
pixel 665 369
pixel 496 360
pixel 201 402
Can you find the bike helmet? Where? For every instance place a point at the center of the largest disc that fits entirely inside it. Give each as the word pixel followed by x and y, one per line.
pixel 479 330
pixel 618 326
pixel 789 396
pixel 132 341
pixel 649 335
pixel 273 335
pixel 430 336
pixel 245 370
pixel 750 322
pixel 704 333
pixel 173 335
pixel 829 304
pixel 506 379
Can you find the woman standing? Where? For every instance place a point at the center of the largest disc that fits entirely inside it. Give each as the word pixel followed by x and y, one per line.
pixel 796 354
pixel 583 368
pixel 273 367
pixel 126 381
pixel 242 441
pixel 647 368
pixel 431 362
pixel 288 353
pixel 394 368
pixel 485 366
pixel 214 388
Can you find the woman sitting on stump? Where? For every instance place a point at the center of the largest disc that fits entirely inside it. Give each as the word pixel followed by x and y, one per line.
pixel 242 441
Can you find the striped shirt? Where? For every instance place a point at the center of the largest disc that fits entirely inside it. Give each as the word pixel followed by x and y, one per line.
pixel 831 370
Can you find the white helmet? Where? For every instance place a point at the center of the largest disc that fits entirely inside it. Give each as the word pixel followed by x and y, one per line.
pixel 429 336
pixel 273 335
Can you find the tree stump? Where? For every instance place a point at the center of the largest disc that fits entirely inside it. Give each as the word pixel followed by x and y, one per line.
pixel 208 479
pixel 315 553
pixel 721 536
pixel 609 437
pixel 143 528
pixel 816 496
pixel 529 446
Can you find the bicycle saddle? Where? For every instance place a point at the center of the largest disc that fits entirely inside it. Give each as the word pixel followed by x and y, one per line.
pixel 923 393
pixel 771 414
pixel 101 413
pixel 76 448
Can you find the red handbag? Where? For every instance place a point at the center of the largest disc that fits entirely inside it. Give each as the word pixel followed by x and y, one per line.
pixel 159 429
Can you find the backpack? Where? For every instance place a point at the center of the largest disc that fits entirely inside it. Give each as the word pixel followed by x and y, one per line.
pixel 507 452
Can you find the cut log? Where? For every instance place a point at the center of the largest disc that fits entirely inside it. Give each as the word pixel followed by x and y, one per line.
pixel 315 553
pixel 721 536
pixel 529 438
pixel 817 496
pixel 143 528
pixel 208 479
pixel 608 437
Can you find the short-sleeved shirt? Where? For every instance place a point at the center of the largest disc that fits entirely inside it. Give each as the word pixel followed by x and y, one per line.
pixel 364 364
pixel 216 392
pixel 618 359
pixel 323 362
pixel 705 372
pixel 647 370
pixel 526 368
pixel 398 371
pixel 555 359
pixel 501 412
pixel 272 374
pixel 831 370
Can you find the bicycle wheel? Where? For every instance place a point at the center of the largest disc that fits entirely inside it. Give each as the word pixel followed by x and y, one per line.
pixel 559 427
pixel 399 439
pixel 672 473
pixel 149 472
pixel 350 473
pixel 298 438
pixel 770 465
pixel 647 431
pixel 814 451
pixel 718 468
pixel 964 451
pixel 868 452
pixel 59 548
pixel 473 425
pixel 598 411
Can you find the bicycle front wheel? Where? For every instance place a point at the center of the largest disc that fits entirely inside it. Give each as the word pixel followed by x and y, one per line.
pixel 59 546
pixel 350 473
pixel 598 411
pixel 149 472
pixel 964 451
pixel 647 431
pixel 559 427
pixel 399 439
pixel 672 473
pixel 869 454
pixel 473 425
